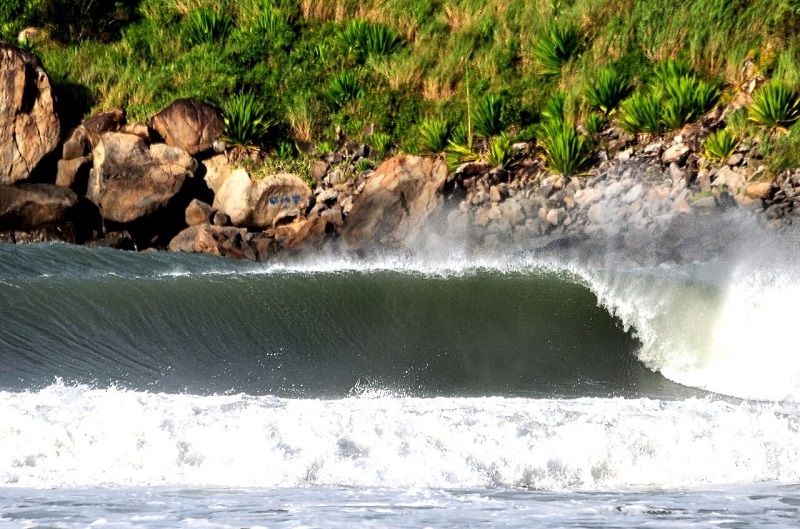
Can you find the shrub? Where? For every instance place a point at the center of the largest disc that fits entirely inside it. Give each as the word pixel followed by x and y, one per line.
pixel 76 20
pixel 555 47
pixel 775 106
pixel 566 151
pixel 720 145
pixel 434 134
pixel 246 122
pixel 344 88
pixel 204 26
pixel 380 142
pixel 499 152
pixel 642 113
pixel 486 116
pixel 607 90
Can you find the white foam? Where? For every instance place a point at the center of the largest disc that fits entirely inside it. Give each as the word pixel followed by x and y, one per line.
pixel 77 436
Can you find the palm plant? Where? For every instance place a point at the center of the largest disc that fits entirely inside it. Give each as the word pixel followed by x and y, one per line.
pixel 566 151
pixel 380 142
pixel 720 145
pixel 246 121
pixel 555 107
pixel 595 124
pixel 366 39
pixel 434 134
pixel 555 47
pixel 499 152
pixel 457 154
pixel 775 106
pixel 607 90
pixel 487 116
pixel 204 26
pixel 344 88
pixel 641 113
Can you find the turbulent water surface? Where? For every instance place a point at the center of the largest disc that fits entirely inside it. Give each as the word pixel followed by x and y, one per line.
pixel 170 390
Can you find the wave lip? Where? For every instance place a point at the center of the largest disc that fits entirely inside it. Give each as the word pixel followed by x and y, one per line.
pixel 67 436
pixel 728 329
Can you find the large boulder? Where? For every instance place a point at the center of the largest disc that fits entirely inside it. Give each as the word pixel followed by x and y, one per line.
pixel 189 124
pixel 30 206
pixel 29 125
pixel 225 241
pixel 132 180
pixel 396 201
pixel 259 203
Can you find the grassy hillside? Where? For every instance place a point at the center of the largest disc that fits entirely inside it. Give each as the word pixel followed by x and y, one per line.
pixel 391 72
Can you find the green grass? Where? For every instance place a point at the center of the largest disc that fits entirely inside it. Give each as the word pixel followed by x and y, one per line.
pixel 403 60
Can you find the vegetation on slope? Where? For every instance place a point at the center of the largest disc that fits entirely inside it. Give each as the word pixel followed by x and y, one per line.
pixel 428 74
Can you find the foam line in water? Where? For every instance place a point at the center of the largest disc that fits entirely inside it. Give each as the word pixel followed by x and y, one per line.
pixel 77 436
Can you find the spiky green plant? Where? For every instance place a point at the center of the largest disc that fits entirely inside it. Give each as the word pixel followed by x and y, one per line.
pixel 459 135
pixel 487 116
pixel 457 154
pixel 706 95
pixel 499 152
pixel 364 164
pixel 775 106
pixel 246 121
pixel 286 150
pixel 272 26
pixel 595 124
pixel 555 107
pixel 204 26
pixel 641 113
pixel 380 142
pixel 344 88
pixel 686 99
pixel 607 90
pixel 566 151
pixel 720 145
pixel 555 47
pixel 434 133
pixel 365 38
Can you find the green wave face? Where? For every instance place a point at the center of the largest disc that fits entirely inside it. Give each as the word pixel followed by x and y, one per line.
pixel 179 323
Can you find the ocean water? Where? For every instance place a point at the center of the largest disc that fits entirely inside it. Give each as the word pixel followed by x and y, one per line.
pixel 168 390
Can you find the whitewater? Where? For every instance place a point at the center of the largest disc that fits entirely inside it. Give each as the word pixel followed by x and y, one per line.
pixel 414 390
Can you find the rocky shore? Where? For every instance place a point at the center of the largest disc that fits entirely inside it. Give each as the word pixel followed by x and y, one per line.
pixel 172 184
